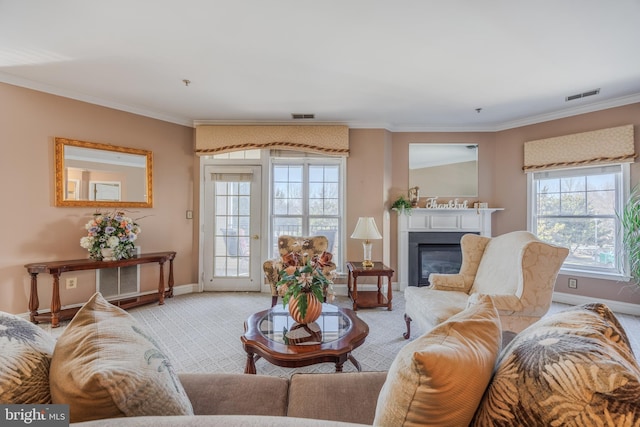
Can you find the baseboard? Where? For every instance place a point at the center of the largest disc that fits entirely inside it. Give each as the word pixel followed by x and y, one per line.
pixel 616 306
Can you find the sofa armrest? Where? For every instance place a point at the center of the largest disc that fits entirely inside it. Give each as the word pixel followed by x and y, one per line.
pixel 347 397
pixel 236 394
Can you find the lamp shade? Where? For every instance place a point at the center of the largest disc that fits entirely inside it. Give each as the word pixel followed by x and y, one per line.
pixel 366 229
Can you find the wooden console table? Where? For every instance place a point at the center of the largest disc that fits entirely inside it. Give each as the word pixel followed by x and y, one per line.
pixel 55 268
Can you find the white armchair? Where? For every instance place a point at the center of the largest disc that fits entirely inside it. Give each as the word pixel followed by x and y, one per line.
pixel 516 269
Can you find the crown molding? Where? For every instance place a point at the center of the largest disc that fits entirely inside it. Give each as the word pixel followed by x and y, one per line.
pixel 53 90
pixel 183 121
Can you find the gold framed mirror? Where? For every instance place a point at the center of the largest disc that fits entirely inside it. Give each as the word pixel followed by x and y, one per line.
pixel 90 174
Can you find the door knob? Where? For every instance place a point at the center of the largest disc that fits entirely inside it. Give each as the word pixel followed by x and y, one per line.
pixel 255 237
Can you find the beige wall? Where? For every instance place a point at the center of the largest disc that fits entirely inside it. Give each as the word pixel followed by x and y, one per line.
pixel 510 185
pixel 34 230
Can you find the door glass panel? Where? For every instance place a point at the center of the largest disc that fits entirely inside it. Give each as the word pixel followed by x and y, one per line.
pixel 233 207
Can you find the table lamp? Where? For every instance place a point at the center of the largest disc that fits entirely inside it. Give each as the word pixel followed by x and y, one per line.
pixel 366 229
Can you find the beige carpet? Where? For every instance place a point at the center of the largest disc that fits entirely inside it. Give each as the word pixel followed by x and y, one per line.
pixel 201 332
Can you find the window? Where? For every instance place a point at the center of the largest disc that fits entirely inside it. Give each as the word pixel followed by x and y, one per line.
pixel 307 200
pixel 577 208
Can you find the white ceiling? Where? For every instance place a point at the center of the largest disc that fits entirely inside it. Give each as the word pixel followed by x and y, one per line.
pixel 407 65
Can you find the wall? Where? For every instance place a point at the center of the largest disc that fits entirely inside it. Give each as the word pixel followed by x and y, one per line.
pixel 502 183
pixel 511 190
pixel 34 230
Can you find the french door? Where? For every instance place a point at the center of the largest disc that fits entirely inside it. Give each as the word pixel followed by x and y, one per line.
pixel 231 243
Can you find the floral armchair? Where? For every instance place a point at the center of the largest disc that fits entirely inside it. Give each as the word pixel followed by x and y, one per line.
pixel 297 251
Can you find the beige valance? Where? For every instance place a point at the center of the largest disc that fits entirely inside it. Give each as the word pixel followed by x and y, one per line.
pixel 605 146
pixel 324 139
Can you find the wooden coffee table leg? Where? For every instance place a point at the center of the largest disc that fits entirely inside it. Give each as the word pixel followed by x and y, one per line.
pixel 355 362
pixel 250 367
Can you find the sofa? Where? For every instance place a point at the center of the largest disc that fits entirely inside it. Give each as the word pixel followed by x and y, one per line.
pixel 570 368
pixel 296 250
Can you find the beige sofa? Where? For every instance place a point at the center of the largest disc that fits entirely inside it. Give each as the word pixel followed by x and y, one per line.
pixel 571 368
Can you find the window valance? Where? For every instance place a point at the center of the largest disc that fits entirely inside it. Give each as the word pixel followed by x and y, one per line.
pixel 324 139
pixel 605 146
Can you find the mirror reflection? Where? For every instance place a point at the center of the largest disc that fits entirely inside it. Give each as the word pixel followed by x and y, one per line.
pixel 444 170
pixel 101 175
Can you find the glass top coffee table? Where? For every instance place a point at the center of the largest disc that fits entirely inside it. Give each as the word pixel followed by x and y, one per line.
pixel 273 335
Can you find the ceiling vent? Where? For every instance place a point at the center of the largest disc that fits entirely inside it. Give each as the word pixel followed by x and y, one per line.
pixel 298 116
pixel 582 95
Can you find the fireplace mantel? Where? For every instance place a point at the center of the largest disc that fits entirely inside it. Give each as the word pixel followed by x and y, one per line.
pixel 437 220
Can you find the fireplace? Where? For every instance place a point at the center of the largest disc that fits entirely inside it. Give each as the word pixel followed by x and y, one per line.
pixel 433 252
pixel 435 228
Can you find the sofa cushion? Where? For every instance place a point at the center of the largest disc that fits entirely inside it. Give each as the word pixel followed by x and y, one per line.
pixel 105 365
pixel 338 392
pixel 575 367
pixel 439 378
pixel 226 394
pixel 25 357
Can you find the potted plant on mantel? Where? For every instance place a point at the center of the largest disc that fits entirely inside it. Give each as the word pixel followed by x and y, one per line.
pixel 402 205
pixel 630 221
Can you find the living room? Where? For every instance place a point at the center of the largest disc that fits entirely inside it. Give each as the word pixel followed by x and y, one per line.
pixel 39 231
pixel 497 78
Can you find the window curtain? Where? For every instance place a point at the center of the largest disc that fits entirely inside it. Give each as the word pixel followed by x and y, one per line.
pixel 321 139
pixel 605 146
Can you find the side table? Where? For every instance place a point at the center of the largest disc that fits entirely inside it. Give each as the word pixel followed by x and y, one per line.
pixel 369 298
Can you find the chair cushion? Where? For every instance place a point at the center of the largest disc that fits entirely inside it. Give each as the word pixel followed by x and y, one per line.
pixel 105 365
pixel 430 307
pixel 439 378
pixel 25 357
pixel 575 367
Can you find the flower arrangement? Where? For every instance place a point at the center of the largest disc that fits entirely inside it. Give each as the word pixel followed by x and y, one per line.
pixel 110 230
pixel 300 278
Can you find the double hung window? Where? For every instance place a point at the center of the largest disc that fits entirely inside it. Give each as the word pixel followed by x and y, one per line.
pixel 577 208
pixel 307 200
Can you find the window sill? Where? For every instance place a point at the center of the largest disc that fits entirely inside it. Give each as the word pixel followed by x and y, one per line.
pixel 594 275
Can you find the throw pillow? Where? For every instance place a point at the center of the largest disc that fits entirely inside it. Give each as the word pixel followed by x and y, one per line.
pixel 25 357
pixel 105 365
pixel 575 367
pixel 439 379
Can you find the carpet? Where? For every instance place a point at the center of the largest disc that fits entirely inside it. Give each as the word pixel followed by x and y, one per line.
pixel 200 332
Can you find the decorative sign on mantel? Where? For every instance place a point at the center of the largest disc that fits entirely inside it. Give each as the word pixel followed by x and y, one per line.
pixel 432 203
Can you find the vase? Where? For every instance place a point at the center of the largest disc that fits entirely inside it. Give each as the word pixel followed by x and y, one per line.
pixel 107 254
pixel 314 309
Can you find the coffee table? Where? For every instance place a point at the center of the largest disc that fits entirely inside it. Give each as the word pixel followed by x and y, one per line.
pixel 273 335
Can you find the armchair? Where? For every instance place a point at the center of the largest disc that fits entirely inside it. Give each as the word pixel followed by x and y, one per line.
pixel 306 248
pixel 516 269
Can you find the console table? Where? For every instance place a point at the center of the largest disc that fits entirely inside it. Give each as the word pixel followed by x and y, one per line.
pixel 55 268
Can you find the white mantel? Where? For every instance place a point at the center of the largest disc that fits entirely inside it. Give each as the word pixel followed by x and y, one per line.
pixel 437 220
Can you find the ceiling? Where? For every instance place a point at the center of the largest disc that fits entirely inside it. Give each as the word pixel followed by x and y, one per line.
pixel 411 65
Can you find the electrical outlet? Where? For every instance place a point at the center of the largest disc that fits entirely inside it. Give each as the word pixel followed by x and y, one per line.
pixel 573 283
pixel 72 282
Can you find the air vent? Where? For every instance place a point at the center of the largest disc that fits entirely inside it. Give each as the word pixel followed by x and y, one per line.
pixel 582 95
pixel 297 116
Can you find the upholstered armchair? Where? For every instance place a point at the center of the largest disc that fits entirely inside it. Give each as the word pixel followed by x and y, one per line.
pixel 300 249
pixel 516 269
